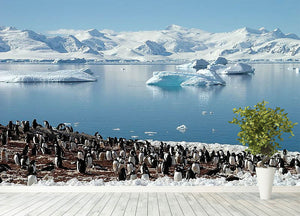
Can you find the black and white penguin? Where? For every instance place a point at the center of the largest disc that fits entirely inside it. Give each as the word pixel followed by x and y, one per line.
pixel 34 150
pixel 122 174
pixel 80 164
pixel 58 161
pixel 46 124
pixel 178 174
pixel 24 161
pixel 297 166
pixel 284 156
pixel 89 160
pixel 130 167
pixel 282 169
pixel 32 168
pixel 196 167
pixel 145 172
pixel 17 159
pixel 165 168
pixel 115 166
pixel 25 150
pixel 231 159
pixel 108 155
pixel 190 174
pixel 34 124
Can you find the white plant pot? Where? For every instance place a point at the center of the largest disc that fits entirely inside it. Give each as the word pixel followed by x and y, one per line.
pixel 265 177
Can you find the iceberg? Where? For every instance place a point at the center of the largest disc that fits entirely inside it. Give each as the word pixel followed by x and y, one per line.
pixel 239 68
pixel 197 64
pixel 83 75
pixel 203 77
pixel 221 60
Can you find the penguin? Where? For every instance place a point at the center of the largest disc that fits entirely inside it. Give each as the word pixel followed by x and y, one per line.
pixel 32 168
pixel 34 124
pixel 17 159
pixel 284 156
pixel 131 159
pixel 46 124
pixel 141 157
pixel 178 174
pixel 122 174
pixel 49 167
pixel 145 172
pixel 115 165
pixel 89 160
pixel 114 154
pixel 196 167
pixel 58 161
pixel 190 174
pixel 232 159
pixel 297 166
pixel 102 156
pixel 25 150
pixel 165 168
pixel 122 154
pixel 273 162
pixel 34 150
pixel 108 155
pixel 24 161
pixel 282 170
pixel 4 167
pixel 251 166
pixel 80 165
pixel 130 167
pixel 80 155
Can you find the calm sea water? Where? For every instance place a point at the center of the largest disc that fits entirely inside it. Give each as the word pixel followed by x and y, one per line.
pixel 120 104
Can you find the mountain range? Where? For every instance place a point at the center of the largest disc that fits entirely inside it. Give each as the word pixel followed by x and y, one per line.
pixel 175 43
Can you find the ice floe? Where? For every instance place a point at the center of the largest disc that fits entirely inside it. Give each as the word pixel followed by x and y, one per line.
pixel 83 75
pixel 182 128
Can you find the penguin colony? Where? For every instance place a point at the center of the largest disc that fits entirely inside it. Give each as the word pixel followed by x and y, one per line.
pixel 30 153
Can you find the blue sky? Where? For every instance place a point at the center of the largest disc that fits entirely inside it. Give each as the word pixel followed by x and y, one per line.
pixel 135 15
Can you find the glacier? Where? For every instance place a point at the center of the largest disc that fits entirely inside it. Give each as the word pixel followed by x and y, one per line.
pixel 83 75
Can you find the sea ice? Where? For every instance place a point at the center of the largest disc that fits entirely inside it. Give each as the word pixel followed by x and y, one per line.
pixel 84 75
pixel 200 78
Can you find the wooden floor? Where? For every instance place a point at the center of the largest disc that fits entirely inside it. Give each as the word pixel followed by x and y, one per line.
pixel 148 203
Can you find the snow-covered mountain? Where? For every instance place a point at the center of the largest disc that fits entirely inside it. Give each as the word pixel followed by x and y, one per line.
pixel 172 44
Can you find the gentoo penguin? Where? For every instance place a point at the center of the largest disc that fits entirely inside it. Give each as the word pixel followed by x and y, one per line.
pixel 34 150
pixel 122 174
pixel 130 167
pixel 251 166
pixel 190 174
pixel 31 180
pixel 196 167
pixel 58 161
pixel 80 155
pixel 141 157
pixel 145 172
pixel 108 155
pixel 273 162
pixel 32 168
pixel 89 160
pixel 231 159
pixel 25 150
pixel 282 170
pixel 297 166
pixel 80 165
pixel 24 161
pixel 34 124
pixel 115 165
pixel 165 168
pixel 46 124
pixel 122 154
pixel 114 154
pixel 101 156
pixel 131 159
pixel 17 159
pixel 178 174
pixel 284 156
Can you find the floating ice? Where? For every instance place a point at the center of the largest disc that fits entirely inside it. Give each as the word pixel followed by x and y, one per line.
pixel 181 128
pixel 197 64
pixel 84 75
pixel 201 78
pixel 116 129
pixel 239 68
pixel 221 60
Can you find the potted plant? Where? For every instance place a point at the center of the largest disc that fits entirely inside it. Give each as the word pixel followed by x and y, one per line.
pixel 261 130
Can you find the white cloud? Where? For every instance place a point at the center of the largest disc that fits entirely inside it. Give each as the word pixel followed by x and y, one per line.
pixel 64 32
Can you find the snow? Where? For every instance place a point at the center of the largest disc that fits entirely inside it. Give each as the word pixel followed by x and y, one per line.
pixel 84 75
pixel 201 78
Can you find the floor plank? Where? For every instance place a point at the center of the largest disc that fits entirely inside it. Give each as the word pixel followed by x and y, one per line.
pixel 142 205
pixel 96 210
pixel 121 205
pixel 208 207
pixel 163 205
pixel 175 207
pixel 111 204
pixel 153 209
pixel 198 209
pixel 132 204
